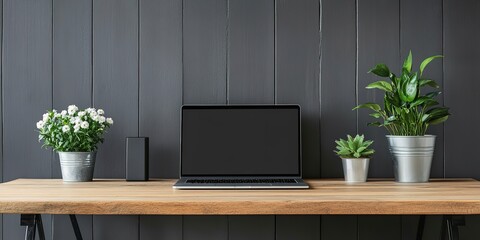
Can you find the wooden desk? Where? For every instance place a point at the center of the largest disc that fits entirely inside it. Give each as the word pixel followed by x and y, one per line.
pixel 52 196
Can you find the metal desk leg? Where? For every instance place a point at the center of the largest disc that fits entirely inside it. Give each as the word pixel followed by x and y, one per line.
pixel 450 226
pixel 32 222
pixel 421 227
pixel 76 229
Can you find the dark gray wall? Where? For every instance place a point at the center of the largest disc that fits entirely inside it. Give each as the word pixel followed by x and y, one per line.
pixel 141 60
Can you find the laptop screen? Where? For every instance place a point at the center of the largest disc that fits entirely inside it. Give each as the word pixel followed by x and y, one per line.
pixel 241 140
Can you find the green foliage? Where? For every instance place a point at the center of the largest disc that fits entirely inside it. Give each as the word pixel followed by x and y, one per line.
pixel 354 147
pixel 406 112
pixel 73 130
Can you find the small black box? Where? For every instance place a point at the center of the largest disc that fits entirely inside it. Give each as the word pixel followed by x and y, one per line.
pixel 136 158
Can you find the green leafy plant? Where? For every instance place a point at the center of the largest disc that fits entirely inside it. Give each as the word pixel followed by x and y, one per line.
pixel 73 130
pixel 354 147
pixel 406 112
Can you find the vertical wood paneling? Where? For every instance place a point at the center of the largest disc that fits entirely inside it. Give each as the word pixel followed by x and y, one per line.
pixel 204 82
pixel 72 82
pixel 297 227
pixel 251 51
pixel 115 227
pixel 205 227
pixel 297 67
pixel 378 42
pixel 115 89
pixel 204 51
pixel 251 227
pixel 161 83
pixel 379 227
pixel 297 82
pixel 338 97
pixel 251 80
pixel 27 94
pixel 160 86
pixel 461 21
pixel 461 50
pixel 160 227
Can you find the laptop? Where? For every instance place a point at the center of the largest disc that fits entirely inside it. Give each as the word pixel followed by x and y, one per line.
pixel 240 147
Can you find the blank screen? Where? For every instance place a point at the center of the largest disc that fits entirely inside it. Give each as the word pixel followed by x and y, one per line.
pixel 240 141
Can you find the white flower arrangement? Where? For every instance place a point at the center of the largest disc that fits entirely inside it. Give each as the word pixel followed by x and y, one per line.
pixel 72 130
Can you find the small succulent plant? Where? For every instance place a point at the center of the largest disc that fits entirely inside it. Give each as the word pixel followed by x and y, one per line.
pixel 354 147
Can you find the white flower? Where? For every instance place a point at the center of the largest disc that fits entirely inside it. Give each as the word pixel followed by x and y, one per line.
pixel 57 115
pixel 100 111
pixel 76 128
pixel 63 113
pixel 46 117
pixel 66 128
pixel 84 125
pixel 95 118
pixel 81 113
pixel 78 121
pixel 109 120
pixel 101 119
pixel 54 111
pixel 89 110
pixel 40 124
pixel 93 114
pixel 72 109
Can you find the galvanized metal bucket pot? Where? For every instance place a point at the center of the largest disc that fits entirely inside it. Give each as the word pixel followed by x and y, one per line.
pixel 412 157
pixel 77 166
pixel 355 169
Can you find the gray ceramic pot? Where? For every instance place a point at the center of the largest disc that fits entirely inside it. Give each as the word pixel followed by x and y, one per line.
pixel 355 169
pixel 412 157
pixel 77 166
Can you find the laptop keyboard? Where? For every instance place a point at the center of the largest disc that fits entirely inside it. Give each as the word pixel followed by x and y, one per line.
pixel 237 180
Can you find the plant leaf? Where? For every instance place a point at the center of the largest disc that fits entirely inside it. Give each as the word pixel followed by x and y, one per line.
pixel 382 85
pixel 378 124
pixel 373 106
pixel 429 82
pixel 407 65
pixel 380 70
pixel 427 61
pixel 438 120
pixel 411 89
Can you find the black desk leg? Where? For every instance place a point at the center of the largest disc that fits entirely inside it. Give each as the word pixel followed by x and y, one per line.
pixel 76 229
pixel 421 227
pixel 450 226
pixel 32 222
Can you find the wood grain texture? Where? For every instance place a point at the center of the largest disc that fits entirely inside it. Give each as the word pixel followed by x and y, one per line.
pixel 251 48
pixel 205 227
pixel 461 20
pixel 425 17
pixel 27 94
pixel 161 227
pixel 204 51
pixel 115 89
pixel 297 227
pixel 297 69
pixel 72 82
pixel 160 83
pixel 251 227
pixel 118 197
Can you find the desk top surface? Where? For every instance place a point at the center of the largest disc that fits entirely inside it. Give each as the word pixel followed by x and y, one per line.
pixel 52 196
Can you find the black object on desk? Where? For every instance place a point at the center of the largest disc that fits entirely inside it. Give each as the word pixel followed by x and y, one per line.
pixel 136 158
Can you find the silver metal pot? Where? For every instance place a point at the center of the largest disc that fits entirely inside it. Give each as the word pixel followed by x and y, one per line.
pixel 355 169
pixel 412 157
pixel 77 166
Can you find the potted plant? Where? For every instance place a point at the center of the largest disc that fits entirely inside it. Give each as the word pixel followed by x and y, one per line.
pixel 407 114
pixel 74 135
pixel 355 156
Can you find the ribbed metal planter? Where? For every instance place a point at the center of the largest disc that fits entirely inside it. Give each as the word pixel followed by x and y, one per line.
pixel 412 157
pixel 77 166
pixel 355 169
